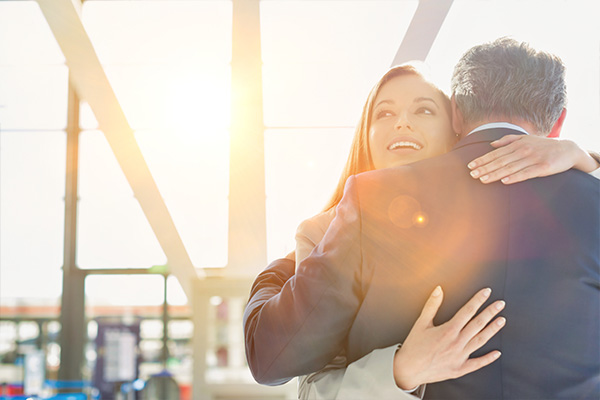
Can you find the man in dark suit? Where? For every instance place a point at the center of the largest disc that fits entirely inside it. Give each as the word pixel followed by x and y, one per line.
pixel 401 231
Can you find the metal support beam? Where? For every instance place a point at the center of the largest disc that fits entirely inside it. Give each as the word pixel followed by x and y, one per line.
pixel 422 31
pixel 73 332
pixel 165 321
pixel 88 77
pixel 72 312
pixel 247 252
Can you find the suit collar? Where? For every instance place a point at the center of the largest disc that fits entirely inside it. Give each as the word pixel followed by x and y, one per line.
pixel 485 136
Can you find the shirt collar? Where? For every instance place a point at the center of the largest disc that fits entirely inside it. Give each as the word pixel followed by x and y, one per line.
pixel 499 125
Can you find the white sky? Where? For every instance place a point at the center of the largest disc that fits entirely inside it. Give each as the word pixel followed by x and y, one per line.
pixel 168 63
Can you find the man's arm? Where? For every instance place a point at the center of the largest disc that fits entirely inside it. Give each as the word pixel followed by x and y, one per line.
pixel 297 330
pixel 267 285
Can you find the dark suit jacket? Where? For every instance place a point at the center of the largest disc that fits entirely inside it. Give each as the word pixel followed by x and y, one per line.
pixel 399 232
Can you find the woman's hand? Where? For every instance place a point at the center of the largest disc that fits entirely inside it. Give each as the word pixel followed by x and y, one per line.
pixel 437 353
pixel 521 157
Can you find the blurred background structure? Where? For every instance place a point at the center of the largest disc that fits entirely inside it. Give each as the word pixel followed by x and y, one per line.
pixel 156 155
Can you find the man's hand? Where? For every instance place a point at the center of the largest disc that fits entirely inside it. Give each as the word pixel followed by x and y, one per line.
pixel 521 157
pixel 437 353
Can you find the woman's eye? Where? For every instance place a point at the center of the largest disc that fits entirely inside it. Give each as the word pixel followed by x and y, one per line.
pixel 383 114
pixel 425 111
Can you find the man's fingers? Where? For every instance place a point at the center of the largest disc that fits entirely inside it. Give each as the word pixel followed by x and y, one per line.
pixel 432 305
pixel 464 315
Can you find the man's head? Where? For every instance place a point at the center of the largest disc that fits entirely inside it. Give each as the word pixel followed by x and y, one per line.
pixel 508 81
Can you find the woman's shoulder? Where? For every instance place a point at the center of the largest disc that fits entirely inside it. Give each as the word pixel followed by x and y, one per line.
pixel 316 224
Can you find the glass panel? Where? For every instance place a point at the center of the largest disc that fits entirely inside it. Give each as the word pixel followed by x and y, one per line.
pixel 166 32
pixel 113 231
pixel 321 58
pixel 173 96
pixel 33 97
pixel 302 167
pixel 32 189
pixel 25 37
pixel 87 119
pixel 171 75
pixel 33 78
pixel 191 168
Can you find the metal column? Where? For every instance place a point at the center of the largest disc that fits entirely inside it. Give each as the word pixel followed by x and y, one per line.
pixel 247 252
pixel 72 313
pixel 422 31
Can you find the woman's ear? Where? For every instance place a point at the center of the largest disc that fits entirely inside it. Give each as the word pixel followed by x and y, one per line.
pixel 555 131
pixel 457 118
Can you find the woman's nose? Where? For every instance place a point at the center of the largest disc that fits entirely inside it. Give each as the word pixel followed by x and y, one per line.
pixel 402 121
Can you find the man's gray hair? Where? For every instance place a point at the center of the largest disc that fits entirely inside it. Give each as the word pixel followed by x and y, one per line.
pixel 506 78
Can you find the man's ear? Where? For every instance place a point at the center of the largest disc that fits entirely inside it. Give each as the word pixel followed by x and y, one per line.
pixel 555 131
pixel 457 117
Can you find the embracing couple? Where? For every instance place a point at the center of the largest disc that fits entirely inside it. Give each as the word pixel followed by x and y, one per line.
pixel 446 206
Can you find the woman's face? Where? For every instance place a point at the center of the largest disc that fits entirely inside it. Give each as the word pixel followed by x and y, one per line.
pixel 409 123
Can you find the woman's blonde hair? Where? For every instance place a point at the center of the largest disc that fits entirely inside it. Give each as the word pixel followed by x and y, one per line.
pixel 359 159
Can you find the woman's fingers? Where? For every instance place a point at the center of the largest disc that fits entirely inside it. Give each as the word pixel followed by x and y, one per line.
pixel 523 157
pixel 512 169
pixel 431 307
pixel 506 161
pixel 489 162
pixel 519 175
pixel 435 353
pixel 473 364
pixel 485 335
pixel 502 149
pixel 506 140
pixel 466 313
pixel 477 324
